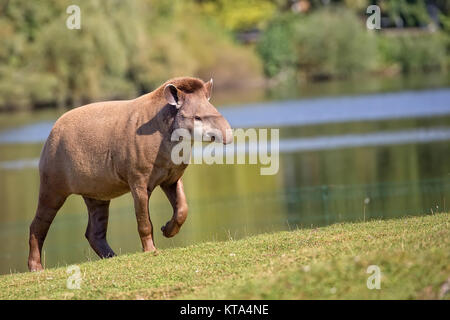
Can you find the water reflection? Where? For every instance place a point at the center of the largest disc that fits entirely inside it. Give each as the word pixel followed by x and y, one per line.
pixel 425 103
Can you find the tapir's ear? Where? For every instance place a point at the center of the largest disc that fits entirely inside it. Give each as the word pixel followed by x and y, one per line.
pixel 208 87
pixel 173 95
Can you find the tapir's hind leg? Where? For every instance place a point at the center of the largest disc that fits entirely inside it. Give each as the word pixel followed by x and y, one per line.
pixel 48 206
pixel 97 225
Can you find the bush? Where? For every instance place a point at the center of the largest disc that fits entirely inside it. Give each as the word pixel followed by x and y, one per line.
pixel 122 49
pixel 334 43
pixel 23 90
pixel 239 15
pixel 413 52
pixel 277 46
pixel 325 43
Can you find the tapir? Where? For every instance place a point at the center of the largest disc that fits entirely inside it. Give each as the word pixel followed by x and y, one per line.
pixel 106 149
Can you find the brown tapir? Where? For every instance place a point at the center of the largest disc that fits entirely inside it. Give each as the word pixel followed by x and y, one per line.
pixel 103 150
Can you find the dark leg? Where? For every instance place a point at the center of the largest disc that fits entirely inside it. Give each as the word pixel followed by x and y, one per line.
pixel 177 198
pixel 48 206
pixel 98 223
pixel 145 228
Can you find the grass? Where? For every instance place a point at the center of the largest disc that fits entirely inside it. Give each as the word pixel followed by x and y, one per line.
pixel 412 253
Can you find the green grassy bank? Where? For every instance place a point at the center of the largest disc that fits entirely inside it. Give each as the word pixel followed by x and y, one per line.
pixel 413 255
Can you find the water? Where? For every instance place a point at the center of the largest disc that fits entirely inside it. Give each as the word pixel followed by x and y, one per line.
pixel 346 158
pixel 299 112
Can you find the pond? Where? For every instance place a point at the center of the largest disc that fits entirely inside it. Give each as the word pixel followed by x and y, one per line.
pixel 348 156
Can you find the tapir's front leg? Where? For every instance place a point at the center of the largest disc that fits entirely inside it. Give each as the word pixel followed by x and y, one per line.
pixel 145 228
pixel 176 196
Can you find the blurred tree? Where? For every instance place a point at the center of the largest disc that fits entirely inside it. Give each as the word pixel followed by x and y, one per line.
pixel 414 52
pixel 240 15
pixel 406 12
pixel 357 5
pixel 127 48
pixel 277 46
pixel 326 43
pixel 122 49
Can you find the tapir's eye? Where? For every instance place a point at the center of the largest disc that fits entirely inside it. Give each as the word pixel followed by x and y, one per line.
pixel 198 118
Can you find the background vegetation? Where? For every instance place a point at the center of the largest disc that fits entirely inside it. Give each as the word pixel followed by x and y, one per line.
pixel 126 48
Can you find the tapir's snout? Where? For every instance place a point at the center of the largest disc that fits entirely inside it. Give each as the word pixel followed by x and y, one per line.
pixel 228 136
pixel 227 132
pixel 216 128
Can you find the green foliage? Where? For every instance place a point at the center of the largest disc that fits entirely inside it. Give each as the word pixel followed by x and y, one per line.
pixel 127 48
pixel 202 49
pixel 414 52
pixel 445 20
pixel 334 43
pixel 19 90
pixel 360 5
pixel 277 46
pixel 411 13
pixel 122 49
pixel 238 15
pixel 324 43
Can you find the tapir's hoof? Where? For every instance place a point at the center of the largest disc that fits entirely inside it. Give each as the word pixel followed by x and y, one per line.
pixel 166 232
pixel 163 229
pixel 33 267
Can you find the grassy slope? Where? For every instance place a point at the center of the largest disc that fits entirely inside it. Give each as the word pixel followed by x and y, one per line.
pixel 412 253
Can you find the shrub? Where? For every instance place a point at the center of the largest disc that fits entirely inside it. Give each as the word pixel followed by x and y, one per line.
pixel 277 46
pixel 21 90
pixel 330 43
pixel 238 15
pixel 122 49
pixel 414 52
pixel 334 43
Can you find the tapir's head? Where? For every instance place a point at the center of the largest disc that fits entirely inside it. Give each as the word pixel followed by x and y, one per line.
pixel 194 111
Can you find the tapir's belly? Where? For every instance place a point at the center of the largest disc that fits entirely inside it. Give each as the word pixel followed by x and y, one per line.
pixel 94 182
pixel 75 167
pixel 106 193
